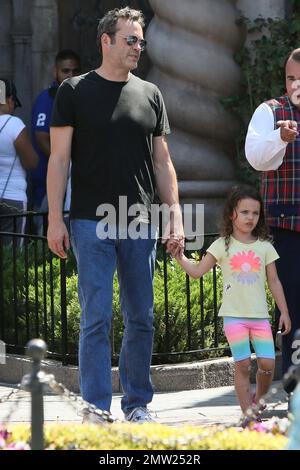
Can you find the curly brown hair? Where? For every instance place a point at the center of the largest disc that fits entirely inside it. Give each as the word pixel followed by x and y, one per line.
pixel 236 194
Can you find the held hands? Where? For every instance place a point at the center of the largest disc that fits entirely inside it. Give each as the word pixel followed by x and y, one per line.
pixel 175 246
pixel 173 236
pixel 58 239
pixel 288 130
pixel 284 323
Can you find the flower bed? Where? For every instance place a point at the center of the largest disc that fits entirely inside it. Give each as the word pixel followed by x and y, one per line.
pixel 148 437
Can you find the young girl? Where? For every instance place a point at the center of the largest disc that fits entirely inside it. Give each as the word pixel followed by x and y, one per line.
pixel 246 258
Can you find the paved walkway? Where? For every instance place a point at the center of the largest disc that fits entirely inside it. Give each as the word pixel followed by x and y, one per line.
pixel 201 407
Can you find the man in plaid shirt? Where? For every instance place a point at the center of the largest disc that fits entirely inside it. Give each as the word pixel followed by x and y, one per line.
pixel 273 147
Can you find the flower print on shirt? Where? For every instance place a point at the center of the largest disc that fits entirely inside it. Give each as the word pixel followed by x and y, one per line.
pixel 245 267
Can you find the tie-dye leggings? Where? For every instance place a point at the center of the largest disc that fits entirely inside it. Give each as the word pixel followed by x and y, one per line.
pixel 240 331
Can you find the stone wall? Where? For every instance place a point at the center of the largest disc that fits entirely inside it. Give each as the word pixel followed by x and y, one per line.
pixel 266 8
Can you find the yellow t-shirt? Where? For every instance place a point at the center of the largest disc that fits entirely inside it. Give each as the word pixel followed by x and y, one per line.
pixel 244 275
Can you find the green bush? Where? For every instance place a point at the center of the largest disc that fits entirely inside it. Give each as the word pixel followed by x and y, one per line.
pixel 177 303
pixel 27 294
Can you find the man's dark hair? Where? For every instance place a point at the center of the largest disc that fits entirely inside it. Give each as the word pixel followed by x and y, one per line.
pixel 108 24
pixel 67 54
pixel 294 55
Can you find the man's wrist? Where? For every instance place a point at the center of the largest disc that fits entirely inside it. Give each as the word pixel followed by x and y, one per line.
pixel 284 313
pixel 55 218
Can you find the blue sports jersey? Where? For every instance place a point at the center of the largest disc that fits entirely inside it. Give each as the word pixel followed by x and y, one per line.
pixel 40 121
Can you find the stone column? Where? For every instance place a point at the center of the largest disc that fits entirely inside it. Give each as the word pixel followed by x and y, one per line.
pixel 191 45
pixel 45 44
pixel 22 66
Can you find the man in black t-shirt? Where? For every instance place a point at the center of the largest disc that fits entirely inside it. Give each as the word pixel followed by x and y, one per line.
pixel 113 126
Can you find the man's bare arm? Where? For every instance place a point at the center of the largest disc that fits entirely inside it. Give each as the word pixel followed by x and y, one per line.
pixel 58 168
pixel 167 187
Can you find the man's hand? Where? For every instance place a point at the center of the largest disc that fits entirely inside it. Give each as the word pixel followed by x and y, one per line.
pixel 173 235
pixel 58 239
pixel 175 246
pixel 288 130
pixel 284 324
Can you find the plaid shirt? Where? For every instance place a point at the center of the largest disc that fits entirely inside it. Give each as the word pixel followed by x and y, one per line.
pixel 281 187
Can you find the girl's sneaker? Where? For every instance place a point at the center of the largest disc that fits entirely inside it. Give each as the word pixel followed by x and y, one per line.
pixel 259 406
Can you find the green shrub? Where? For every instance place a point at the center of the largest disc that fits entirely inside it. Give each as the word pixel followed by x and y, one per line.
pixel 177 309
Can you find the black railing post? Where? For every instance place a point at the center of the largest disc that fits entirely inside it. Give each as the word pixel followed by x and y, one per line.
pixel 52 310
pixel 36 287
pixel 15 290
pixel 188 312
pixel 63 308
pixel 215 301
pixel 167 334
pixel 45 316
pixel 26 285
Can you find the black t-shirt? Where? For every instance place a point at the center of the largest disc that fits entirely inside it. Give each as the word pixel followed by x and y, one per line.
pixel 114 124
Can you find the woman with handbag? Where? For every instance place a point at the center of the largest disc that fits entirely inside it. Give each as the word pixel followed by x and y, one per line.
pixel 16 156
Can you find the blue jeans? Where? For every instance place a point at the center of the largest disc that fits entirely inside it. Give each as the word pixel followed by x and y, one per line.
pixel 97 260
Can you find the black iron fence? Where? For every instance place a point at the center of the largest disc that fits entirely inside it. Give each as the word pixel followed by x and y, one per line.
pixel 38 298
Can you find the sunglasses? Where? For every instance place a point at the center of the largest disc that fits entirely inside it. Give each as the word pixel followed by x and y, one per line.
pixel 131 40
pixel 66 70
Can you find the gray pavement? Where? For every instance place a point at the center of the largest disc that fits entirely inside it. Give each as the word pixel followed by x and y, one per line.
pixel 197 407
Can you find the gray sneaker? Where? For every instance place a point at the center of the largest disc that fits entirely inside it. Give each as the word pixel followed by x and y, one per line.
pixel 139 415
